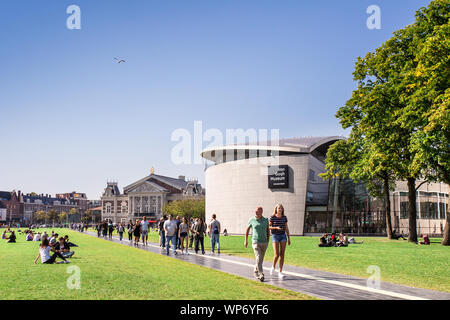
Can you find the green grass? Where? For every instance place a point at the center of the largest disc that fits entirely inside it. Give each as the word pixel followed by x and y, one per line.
pixel 399 261
pixel 114 271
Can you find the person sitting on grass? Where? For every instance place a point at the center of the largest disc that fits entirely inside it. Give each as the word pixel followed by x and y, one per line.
pixel 68 243
pixel 426 240
pixel 63 248
pixel 342 242
pixel 353 241
pixel 11 238
pixel 29 236
pixel 324 241
pixel 37 237
pixel 395 236
pixel 44 253
pixel 4 235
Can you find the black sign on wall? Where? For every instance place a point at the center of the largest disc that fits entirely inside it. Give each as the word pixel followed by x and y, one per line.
pixel 278 177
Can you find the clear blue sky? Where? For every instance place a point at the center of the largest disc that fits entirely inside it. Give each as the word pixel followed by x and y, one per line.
pixel 71 117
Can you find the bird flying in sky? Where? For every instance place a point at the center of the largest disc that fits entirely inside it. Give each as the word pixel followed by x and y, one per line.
pixel 120 60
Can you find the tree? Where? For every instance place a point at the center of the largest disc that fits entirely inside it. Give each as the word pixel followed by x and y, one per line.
pixel 188 208
pixel 39 216
pixel 73 213
pixel 430 92
pixel 389 107
pixel 87 216
pixel 63 217
pixel 52 215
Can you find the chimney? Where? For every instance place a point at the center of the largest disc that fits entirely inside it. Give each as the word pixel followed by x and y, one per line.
pixel 182 178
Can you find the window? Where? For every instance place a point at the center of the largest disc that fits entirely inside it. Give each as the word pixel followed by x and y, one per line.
pixel 443 208
pixel 404 210
pixel 312 175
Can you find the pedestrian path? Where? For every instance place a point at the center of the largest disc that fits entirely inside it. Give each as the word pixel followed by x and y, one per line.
pixel 320 284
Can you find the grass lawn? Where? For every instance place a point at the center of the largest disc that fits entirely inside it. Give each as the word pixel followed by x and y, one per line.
pixel 399 261
pixel 114 271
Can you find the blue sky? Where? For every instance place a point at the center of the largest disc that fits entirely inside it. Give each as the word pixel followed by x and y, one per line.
pixel 72 118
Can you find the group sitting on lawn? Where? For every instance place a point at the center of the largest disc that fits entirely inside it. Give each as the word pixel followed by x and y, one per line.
pixel 60 248
pixel 333 241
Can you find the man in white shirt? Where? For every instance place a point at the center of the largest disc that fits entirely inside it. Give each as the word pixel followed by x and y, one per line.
pixel 144 226
pixel 170 228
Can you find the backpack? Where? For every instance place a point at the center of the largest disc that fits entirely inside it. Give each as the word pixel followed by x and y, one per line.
pixel 215 228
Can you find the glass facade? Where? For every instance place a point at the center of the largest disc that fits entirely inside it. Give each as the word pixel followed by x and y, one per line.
pixel 350 209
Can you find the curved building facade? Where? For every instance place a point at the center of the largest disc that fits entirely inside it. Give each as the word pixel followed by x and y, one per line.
pixel 243 177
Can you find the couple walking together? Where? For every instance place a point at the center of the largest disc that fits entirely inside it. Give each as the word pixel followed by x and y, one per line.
pixel 261 228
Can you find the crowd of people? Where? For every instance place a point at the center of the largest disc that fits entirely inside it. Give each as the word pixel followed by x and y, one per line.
pixel 53 243
pixel 183 234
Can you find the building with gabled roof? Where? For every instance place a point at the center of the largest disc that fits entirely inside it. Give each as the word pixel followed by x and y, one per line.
pixel 146 197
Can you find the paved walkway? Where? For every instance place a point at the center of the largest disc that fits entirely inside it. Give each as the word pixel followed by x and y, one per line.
pixel 320 284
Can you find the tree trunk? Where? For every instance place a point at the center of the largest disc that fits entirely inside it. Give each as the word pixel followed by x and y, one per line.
pixel 412 210
pixel 387 206
pixel 446 240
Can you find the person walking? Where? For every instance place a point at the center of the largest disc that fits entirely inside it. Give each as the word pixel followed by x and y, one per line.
pixel 259 226
pixel 177 239
pixel 120 230
pixel 130 228
pixel 110 229
pixel 278 225
pixel 137 233
pixel 144 230
pixel 105 229
pixel 99 229
pixel 192 232
pixel 162 233
pixel 170 228
pixel 199 235
pixel 183 231
pixel 214 233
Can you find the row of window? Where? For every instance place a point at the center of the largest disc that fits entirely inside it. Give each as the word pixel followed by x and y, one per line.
pixel 426 210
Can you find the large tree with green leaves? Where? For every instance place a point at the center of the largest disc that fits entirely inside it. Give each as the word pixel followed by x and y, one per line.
pixel 430 93
pixel 389 108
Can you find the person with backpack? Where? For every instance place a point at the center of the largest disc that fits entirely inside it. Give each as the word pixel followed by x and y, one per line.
pixel 120 230
pixel 214 233
pixel 110 229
